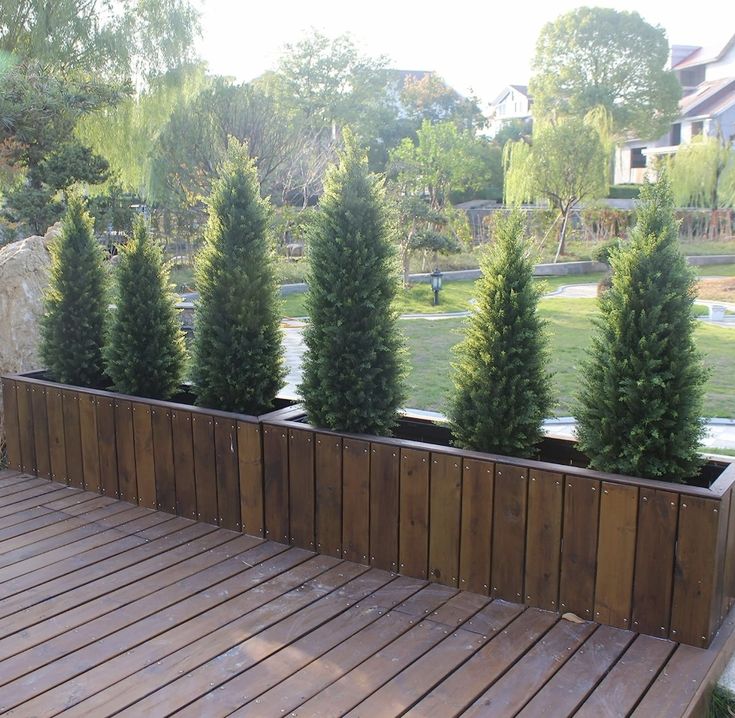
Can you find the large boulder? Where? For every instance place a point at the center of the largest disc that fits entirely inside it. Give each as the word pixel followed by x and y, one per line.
pixel 24 273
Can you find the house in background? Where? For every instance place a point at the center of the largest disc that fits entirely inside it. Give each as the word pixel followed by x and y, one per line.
pixel 513 103
pixel 707 107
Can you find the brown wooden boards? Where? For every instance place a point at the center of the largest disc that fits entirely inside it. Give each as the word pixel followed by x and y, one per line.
pixel 90 443
pixel 477 526
pixel 25 428
pixel 275 483
pixel 509 532
pixel 328 492
pixel 73 439
pixel 40 432
pixel 250 461
pixel 413 533
pixel 163 459
pixel 12 432
pixel 125 448
pixel 543 539
pixel 228 481
pixel 301 487
pixel 444 519
pixel 107 447
pixel 384 497
pixel 202 429
pixel 144 467
pixel 356 500
pixel 183 448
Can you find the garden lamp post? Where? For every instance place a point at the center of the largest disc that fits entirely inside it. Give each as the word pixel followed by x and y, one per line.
pixel 436 284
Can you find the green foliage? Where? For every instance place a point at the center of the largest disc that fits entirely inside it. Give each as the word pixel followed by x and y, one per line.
pixel 640 406
pixel 144 354
pixel 703 174
pixel 75 304
pixel 599 57
pixel 624 191
pixel 353 368
pixel 502 391
pixel 237 363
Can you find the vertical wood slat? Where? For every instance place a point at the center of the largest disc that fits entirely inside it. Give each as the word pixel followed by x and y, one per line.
pixel 57 448
pixel 694 579
pixel 729 578
pixel 413 533
pixel 579 550
pixel 11 424
pixel 73 439
pixel 275 483
pixel 90 443
pixel 543 539
pixel 654 565
pixel 478 483
pixel 25 429
pixel 107 444
pixel 445 519
pixel 202 429
pixel 717 614
pixel 356 500
pixel 616 554
pixel 125 450
pixel 301 487
pixel 328 492
pixel 384 513
pixel 250 464
pixel 40 431
pixel 144 468
pixel 509 532
pixel 163 459
pixel 228 483
pixel 183 448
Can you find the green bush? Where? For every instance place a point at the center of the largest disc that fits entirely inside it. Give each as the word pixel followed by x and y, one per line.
pixel 353 367
pixel 624 191
pixel 75 304
pixel 502 391
pixel 639 409
pixel 144 354
pixel 237 362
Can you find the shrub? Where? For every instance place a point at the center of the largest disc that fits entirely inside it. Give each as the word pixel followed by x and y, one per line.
pixel 75 304
pixel 145 352
pixel 639 409
pixel 237 362
pixel 353 368
pixel 502 391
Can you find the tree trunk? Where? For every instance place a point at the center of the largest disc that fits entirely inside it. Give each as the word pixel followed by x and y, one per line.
pixel 562 234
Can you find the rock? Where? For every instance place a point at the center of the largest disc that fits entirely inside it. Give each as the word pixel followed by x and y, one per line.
pixel 24 271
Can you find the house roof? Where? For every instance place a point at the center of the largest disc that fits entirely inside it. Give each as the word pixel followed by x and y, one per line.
pixel 523 89
pixel 704 55
pixel 710 98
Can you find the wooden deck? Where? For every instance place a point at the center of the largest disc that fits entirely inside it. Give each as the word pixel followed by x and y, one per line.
pixel 107 608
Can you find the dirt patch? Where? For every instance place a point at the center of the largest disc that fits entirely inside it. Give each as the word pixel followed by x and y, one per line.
pixel 722 290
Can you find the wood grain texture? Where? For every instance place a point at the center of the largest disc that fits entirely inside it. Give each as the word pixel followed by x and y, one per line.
pixel 90 442
pixel 73 439
pixel 275 478
pixel 384 500
pixel 413 530
pixel 445 519
pixel 205 467
pixel 356 500
pixel 477 526
pixel 125 447
pixel 250 459
pixel 25 429
pixel 12 429
pixel 57 447
pixel 328 492
pixel 40 432
pixel 228 481
pixel 107 447
pixel 163 459
pixel 301 488
pixel 184 471
pixel 145 471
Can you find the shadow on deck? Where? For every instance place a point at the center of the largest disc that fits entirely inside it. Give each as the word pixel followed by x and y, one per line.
pixel 107 608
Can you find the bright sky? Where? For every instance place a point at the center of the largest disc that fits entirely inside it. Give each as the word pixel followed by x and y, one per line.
pixel 474 45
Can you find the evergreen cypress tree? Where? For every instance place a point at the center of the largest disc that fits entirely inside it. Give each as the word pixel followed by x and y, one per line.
pixel 640 405
pixel 502 391
pixel 144 354
pixel 75 304
pixel 237 362
pixel 353 368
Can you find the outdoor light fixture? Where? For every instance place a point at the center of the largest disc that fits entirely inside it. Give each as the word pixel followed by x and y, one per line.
pixel 436 284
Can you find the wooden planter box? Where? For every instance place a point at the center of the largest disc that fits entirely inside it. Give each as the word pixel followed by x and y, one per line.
pixel 650 556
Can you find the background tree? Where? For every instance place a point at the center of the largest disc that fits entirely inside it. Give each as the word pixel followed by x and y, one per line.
pixel 595 56
pixel 639 410
pixel 144 352
pixel 237 362
pixel 502 389
pixel 75 305
pixel 353 367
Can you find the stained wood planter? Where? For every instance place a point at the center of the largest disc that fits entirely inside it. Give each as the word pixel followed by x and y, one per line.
pixel 649 556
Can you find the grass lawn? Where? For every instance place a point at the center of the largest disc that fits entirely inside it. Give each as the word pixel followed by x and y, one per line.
pixel 569 327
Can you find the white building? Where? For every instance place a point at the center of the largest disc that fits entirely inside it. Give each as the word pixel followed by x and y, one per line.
pixel 513 103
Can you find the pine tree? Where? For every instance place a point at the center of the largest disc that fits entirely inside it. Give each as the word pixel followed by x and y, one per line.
pixel 145 353
pixel 639 409
pixel 237 362
pixel 502 391
pixel 75 305
pixel 353 368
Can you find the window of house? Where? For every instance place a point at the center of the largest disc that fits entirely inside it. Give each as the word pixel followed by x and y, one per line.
pixel 692 76
pixel 637 158
pixel 675 135
pixel 697 128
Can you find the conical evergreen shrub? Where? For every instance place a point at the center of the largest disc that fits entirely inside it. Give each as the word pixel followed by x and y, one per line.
pixel 237 362
pixel 502 389
pixel 145 352
pixel 75 304
pixel 353 368
pixel 639 409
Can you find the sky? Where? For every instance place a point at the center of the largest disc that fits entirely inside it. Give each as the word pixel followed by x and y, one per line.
pixel 475 46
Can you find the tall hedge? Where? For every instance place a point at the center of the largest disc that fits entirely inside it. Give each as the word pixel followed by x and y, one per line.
pixel 640 406
pixel 237 357
pixel 145 351
pixel 502 388
pixel 353 367
pixel 76 303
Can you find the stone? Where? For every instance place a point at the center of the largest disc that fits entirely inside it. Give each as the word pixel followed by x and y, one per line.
pixel 24 274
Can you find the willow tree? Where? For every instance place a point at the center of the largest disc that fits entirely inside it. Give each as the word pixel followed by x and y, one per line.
pixel 703 174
